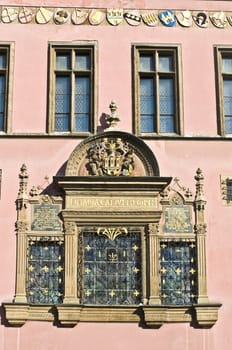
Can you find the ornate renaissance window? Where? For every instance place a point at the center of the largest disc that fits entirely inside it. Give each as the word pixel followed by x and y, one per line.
pixel 72 88
pixel 224 89
pixel 157 90
pixel 119 243
pixel 6 69
pixel 226 189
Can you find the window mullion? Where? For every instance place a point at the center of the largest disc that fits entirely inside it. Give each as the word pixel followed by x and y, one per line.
pixel 72 95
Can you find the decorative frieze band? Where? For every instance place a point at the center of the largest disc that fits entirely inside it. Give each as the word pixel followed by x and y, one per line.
pixel 115 17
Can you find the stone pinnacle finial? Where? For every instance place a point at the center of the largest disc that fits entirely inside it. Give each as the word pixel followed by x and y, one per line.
pixel 112 119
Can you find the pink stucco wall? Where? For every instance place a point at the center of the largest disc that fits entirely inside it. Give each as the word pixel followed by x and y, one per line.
pixel 44 156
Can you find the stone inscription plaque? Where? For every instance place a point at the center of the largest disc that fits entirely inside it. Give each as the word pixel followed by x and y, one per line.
pixel 111 203
pixel 177 219
pixel 45 217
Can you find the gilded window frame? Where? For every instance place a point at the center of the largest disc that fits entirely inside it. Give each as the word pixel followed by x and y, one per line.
pixel 88 46
pixel 175 50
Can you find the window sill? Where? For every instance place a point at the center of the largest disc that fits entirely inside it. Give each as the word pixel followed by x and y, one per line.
pixel 150 316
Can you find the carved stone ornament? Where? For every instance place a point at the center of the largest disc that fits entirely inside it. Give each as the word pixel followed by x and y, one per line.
pixel 70 227
pixel 21 226
pixel 110 157
pixel 112 232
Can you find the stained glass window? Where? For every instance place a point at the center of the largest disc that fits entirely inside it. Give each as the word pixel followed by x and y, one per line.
pixel 73 89
pixel 178 272
pixel 45 271
pixel 157 87
pixel 111 269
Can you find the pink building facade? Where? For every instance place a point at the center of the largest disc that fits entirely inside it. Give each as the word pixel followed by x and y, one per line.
pixel 120 168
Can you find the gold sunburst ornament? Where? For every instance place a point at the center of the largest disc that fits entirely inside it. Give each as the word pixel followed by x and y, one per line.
pixel 112 232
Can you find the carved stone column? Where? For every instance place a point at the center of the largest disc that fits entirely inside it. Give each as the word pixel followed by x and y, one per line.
pixel 21 232
pixel 154 297
pixel 200 230
pixel 71 248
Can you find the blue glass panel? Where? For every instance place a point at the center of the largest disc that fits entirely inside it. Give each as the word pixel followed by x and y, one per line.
pixel 228 125
pixel 227 90
pixel 166 96
pixel 82 62
pixel 45 272
pixel 82 103
pixel 62 104
pixel 112 269
pixel 2 60
pixel 227 65
pixel 2 84
pixel 146 63
pixel 165 63
pixel 178 272
pixel 167 124
pixel 63 61
pixel 147 105
pixel 1 122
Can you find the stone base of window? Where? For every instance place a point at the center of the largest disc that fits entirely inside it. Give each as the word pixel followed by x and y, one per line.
pixel 153 316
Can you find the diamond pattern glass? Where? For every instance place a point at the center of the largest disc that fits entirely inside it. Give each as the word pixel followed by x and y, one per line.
pixel 111 269
pixel 178 272
pixel 226 65
pixel 82 103
pixel 63 61
pixel 2 60
pixel 147 106
pixel 45 272
pixel 165 63
pixel 146 63
pixel 62 103
pixel 82 62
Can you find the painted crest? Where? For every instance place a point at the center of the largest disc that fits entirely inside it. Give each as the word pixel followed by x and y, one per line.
pixel 219 19
pixel 184 18
pixel 201 19
pixel 133 17
pixel 9 15
pixel 150 18
pixel 110 157
pixel 96 17
pixel 167 18
pixel 61 16
pixel 114 16
pixel 79 16
pixel 43 15
pixel 25 15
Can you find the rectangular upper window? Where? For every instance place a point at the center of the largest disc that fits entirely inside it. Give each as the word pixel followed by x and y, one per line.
pixel 6 72
pixel 71 95
pixel 157 90
pixel 224 90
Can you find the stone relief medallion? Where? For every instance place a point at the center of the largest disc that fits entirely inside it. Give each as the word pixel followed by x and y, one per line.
pixel 43 15
pixel 177 219
pixel 61 16
pixel 96 17
pixel 201 19
pixel 167 18
pixel 133 17
pixel 184 18
pixel 79 16
pixel 114 16
pixel 150 18
pixel 25 15
pixel 110 157
pixel 219 19
pixel 9 15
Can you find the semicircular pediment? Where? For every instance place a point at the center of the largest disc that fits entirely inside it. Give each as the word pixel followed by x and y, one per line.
pixel 112 153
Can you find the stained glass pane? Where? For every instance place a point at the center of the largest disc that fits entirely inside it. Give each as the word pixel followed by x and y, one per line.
pixel 165 63
pixel 227 65
pixel 82 62
pixel 82 103
pixel 62 103
pixel 1 122
pixel 45 272
pixel 146 63
pixel 147 105
pixel 178 272
pixel 63 61
pixel 112 269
